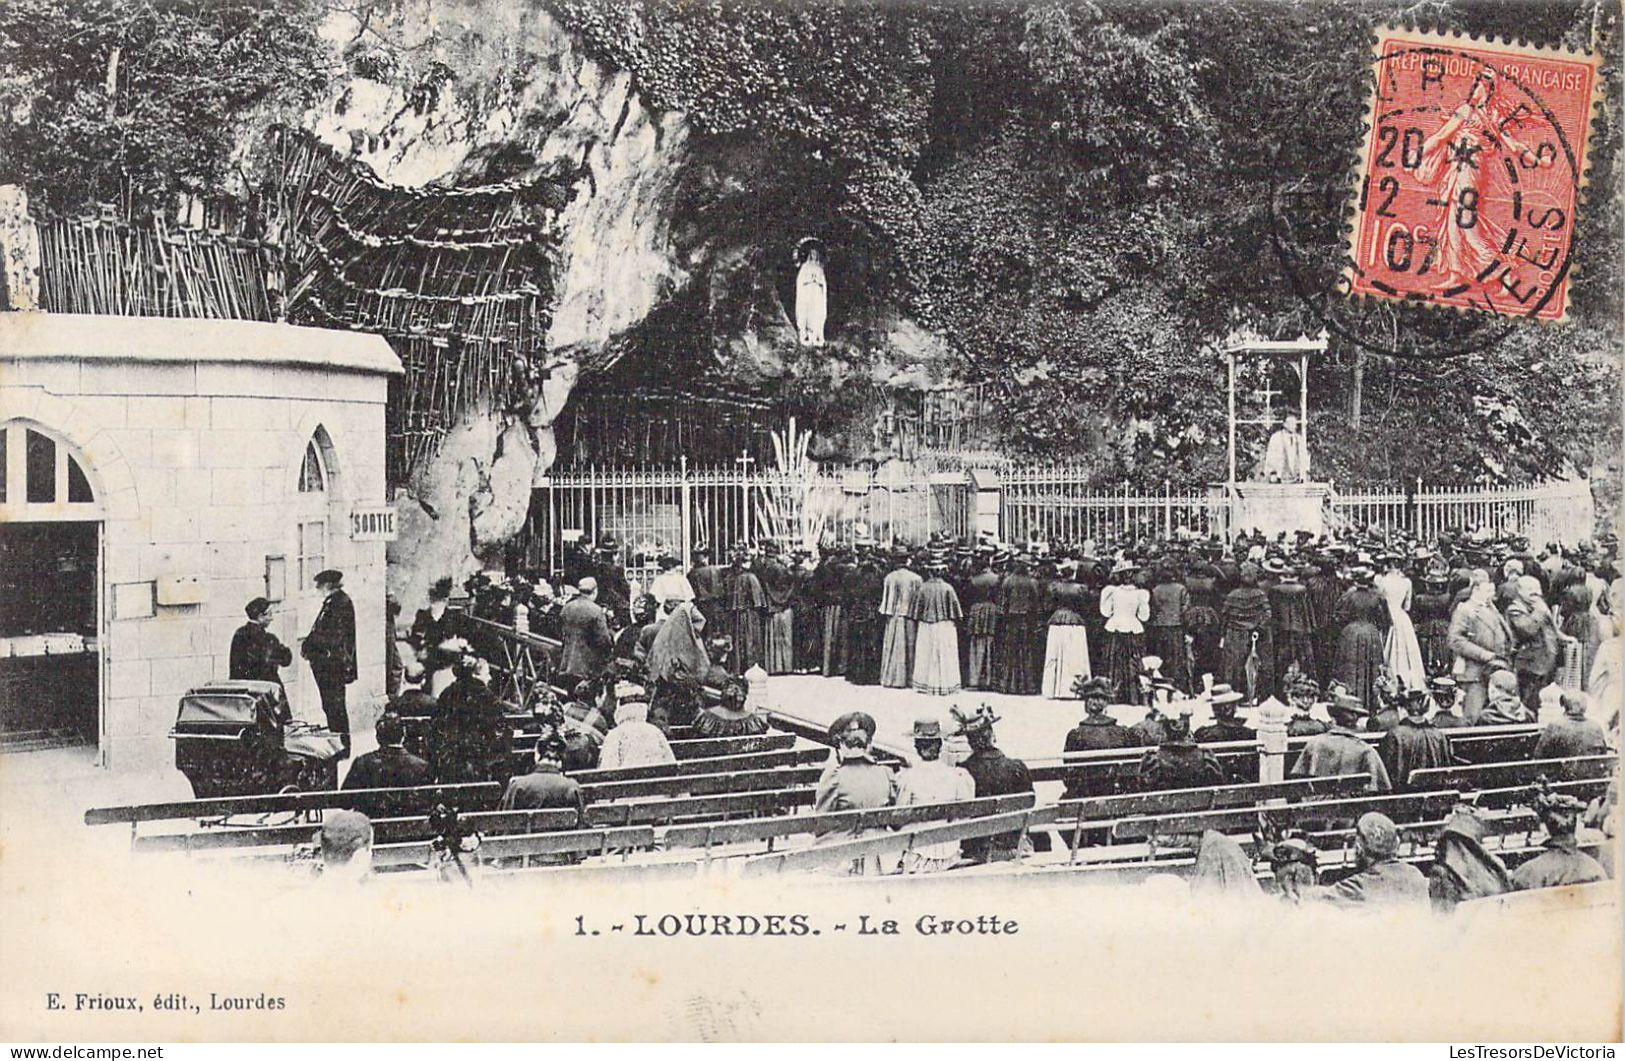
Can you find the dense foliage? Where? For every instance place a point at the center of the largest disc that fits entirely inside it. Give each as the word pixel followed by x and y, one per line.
pixel 128 101
pixel 1080 195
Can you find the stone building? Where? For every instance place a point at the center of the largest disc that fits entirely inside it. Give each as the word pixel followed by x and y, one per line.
pixel 159 474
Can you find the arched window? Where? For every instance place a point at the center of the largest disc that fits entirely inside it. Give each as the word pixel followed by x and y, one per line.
pixel 41 478
pixel 313 473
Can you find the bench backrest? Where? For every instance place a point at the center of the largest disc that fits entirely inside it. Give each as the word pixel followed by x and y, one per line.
pixel 480 793
pixel 1189 800
pixel 883 844
pixel 1243 819
pixel 710 834
pixel 704 784
pixel 579 842
pixel 1500 775
pixel 720 764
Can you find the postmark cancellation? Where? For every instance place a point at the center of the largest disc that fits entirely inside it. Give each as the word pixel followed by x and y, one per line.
pixel 1470 175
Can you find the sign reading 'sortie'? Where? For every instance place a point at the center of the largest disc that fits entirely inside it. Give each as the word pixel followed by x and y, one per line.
pixel 372 523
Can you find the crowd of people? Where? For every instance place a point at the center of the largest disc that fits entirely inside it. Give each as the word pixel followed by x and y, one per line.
pixel 1367 614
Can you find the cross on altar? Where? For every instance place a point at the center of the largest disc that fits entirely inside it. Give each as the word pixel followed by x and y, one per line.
pixel 1267 393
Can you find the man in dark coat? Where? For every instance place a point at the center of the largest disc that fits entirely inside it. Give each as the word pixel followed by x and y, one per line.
pixel 391 766
pixel 1382 879
pixel 1340 750
pixel 330 650
pixel 1573 734
pixel 1292 612
pixel 1225 726
pixel 586 638
pixel 995 774
pixel 707 580
pixel 256 653
pixel 1325 590
pixel 1413 743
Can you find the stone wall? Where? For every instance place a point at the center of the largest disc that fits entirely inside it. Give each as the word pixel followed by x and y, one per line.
pixel 196 461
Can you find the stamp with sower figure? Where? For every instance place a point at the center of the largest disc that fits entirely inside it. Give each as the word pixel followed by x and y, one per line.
pixel 1470 174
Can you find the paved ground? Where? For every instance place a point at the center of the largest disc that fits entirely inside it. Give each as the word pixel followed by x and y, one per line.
pixel 1030 727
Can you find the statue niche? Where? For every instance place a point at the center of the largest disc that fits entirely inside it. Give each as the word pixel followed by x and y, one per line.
pixel 812 292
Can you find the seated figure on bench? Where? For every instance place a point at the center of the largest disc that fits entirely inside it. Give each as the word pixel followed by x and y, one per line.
pixel 1340 750
pixel 1178 762
pixel 1302 693
pixel 1572 735
pixel 634 741
pixel 995 774
pixel 857 782
pixel 1446 694
pixel 1462 869
pixel 1413 743
pixel 391 766
pixel 1562 862
pixel 1098 730
pixel 1381 878
pixel 1225 726
pixel 546 786
pixel 932 780
pixel 1502 705
pixel 733 716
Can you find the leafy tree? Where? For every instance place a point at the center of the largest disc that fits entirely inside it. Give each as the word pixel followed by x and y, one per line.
pixel 132 100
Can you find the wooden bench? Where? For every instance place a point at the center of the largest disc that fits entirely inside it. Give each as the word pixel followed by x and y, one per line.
pixel 882 845
pixel 1425 833
pixel 752 805
pixel 1400 808
pixel 1518 795
pixel 721 764
pixel 524 846
pixel 366 800
pixel 713 834
pixel 704 784
pixel 1527 772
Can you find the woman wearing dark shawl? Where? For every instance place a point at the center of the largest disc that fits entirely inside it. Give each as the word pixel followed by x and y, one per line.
pixel 825 588
pixel 1362 613
pixel 1020 660
pixel 747 609
pixel 678 650
pixel 1245 613
pixel 862 590
pixel 734 716
pixel 779 587
pixel 1462 869
pixel 1202 618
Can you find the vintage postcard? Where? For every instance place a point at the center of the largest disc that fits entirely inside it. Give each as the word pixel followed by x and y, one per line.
pixel 591 520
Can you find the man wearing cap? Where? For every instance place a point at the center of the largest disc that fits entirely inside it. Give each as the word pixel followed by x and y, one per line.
pixel 995 774
pixel 1413 743
pixel 256 653
pixel 635 741
pixel 855 782
pixel 932 780
pixel 1340 750
pixel 330 650
pixel 1445 692
pixel 586 638
pixel 1381 879
pixel 1562 862
pixel 1225 726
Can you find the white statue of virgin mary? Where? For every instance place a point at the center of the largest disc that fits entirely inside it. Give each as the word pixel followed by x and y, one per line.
pixel 812 292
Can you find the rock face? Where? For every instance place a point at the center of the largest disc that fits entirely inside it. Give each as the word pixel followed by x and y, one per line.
pixel 510 90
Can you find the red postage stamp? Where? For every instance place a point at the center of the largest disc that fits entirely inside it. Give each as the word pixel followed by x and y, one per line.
pixel 1471 173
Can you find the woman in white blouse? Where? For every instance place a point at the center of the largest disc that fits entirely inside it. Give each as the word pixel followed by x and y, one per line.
pixel 1126 607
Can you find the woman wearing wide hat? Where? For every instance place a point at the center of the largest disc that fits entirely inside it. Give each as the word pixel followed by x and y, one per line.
pixel 1126 607
pixel 1362 612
